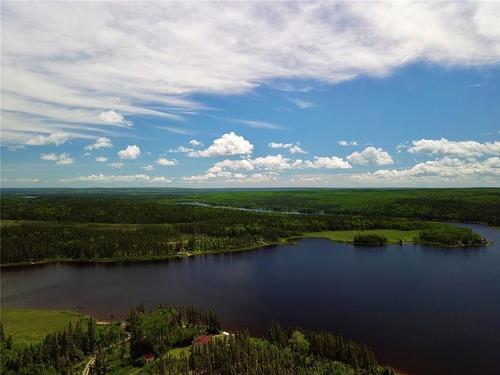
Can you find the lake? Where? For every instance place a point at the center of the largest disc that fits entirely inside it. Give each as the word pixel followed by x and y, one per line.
pixel 423 310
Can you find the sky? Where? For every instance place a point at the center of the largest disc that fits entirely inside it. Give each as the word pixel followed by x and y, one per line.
pixel 257 94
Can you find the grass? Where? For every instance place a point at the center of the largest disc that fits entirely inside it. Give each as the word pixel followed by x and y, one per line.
pixel 393 236
pixel 177 352
pixel 31 326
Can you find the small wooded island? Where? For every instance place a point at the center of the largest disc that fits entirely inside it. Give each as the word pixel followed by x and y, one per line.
pixel 142 224
pixel 174 341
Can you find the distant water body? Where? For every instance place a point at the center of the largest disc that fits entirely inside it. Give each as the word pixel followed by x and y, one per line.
pixel 423 310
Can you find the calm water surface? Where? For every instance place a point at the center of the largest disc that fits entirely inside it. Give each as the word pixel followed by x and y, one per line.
pixel 424 310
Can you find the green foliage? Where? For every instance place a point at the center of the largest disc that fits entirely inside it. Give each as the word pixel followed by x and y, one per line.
pixel 458 205
pixel 167 327
pixel 369 239
pixel 58 352
pixel 86 226
pixel 450 236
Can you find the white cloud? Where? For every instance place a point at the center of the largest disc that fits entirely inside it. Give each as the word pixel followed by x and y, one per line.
pixel 302 104
pixel 181 149
pixel 130 153
pixel 165 161
pixel 148 168
pixel 101 142
pixel 332 162
pixel 445 168
pixel 101 159
pixel 112 117
pixel 311 179
pixel 370 155
pixel 257 124
pixel 54 138
pixel 347 143
pixel 294 148
pixel 51 156
pixel 195 143
pixel 228 144
pixel 270 165
pixel 117 178
pixel 62 159
pixel 116 165
pixel 454 148
pixel 229 177
pixel 21 180
pixel 68 73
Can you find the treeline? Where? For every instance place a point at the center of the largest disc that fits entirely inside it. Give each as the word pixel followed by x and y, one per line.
pixel 450 236
pixel 59 352
pixel 282 352
pixel 455 205
pixel 156 334
pixel 89 227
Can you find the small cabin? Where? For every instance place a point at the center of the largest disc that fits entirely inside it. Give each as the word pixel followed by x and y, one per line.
pixel 149 357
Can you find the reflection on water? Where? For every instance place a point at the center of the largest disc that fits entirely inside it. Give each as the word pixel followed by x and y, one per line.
pixel 425 310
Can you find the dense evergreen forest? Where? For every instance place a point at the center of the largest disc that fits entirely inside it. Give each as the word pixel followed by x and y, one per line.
pixel 88 226
pixel 166 340
pixel 458 205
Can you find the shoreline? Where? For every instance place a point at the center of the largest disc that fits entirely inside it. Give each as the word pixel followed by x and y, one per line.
pixel 183 255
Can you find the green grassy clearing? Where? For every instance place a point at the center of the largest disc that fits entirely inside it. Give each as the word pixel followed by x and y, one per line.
pixel 177 352
pixel 393 236
pixel 31 326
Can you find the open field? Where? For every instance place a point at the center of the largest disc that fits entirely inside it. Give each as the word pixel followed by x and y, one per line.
pixel 393 236
pixel 31 326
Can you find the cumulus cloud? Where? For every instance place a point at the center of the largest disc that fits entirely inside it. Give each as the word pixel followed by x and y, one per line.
pixel 112 117
pixel 454 148
pixel 116 165
pixel 117 178
pixel 228 144
pixel 130 153
pixel 165 161
pixel 195 143
pixel 101 142
pixel 294 148
pixel 445 168
pixel 54 138
pixel 370 155
pixel 148 168
pixel 229 177
pixel 62 159
pixel 269 166
pixel 101 159
pixel 332 162
pixel 347 143
pixel 57 70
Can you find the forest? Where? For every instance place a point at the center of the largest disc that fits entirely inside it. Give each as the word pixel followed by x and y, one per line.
pixel 164 341
pixel 135 226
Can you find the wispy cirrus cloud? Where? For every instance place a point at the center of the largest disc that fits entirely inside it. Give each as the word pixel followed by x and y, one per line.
pixel 116 60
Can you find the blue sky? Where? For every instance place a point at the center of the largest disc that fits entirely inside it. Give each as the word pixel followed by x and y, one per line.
pixel 139 97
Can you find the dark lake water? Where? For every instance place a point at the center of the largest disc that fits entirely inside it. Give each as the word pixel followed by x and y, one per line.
pixel 423 310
